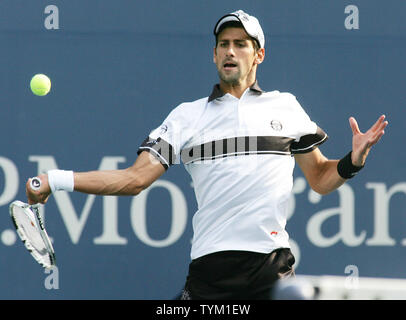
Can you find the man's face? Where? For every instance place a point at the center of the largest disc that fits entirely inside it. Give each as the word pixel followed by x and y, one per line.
pixel 235 56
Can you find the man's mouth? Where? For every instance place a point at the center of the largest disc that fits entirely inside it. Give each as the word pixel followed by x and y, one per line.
pixel 229 65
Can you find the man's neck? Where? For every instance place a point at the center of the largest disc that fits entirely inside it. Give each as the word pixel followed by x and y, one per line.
pixel 236 90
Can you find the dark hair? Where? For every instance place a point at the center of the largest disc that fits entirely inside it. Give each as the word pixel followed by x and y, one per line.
pixel 236 24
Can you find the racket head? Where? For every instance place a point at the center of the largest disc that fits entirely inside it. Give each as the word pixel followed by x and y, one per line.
pixel 30 228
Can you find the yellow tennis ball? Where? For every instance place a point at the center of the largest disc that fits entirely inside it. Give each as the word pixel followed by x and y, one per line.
pixel 40 84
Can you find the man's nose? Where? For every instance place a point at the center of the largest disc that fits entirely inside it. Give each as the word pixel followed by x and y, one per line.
pixel 230 51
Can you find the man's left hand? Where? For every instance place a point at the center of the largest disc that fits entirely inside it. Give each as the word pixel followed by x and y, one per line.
pixel 363 142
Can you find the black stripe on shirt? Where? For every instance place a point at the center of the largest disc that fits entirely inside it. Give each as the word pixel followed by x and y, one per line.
pixel 309 142
pixel 232 147
pixel 237 146
pixel 161 149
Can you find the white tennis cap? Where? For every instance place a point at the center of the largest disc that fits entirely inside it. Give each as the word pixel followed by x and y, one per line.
pixel 250 24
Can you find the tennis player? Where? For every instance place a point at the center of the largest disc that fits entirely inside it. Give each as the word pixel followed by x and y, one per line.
pixel 239 145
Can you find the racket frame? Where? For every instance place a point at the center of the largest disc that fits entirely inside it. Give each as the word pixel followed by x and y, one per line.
pixel 34 210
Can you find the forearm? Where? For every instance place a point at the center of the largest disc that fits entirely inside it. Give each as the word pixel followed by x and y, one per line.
pixel 130 181
pixel 115 182
pixel 327 179
pixel 320 172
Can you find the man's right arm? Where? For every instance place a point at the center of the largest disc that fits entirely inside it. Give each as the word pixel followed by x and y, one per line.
pixel 131 181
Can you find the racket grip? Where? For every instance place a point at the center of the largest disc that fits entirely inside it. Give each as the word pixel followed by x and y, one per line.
pixel 35 183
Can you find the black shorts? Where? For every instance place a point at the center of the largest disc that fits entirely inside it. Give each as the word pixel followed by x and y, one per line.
pixel 237 275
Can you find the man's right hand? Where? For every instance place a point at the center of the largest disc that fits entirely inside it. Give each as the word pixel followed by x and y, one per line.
pixel 42 194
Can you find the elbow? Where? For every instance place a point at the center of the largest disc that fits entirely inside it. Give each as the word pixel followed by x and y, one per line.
pixel 320 189
pixel 321 181
pixel 136 183
pixel 325 186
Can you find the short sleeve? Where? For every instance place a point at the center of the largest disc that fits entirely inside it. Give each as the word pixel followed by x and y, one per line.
pixel 165 142
pixel 309 134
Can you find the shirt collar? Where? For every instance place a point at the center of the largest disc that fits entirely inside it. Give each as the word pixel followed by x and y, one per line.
pixel 218 93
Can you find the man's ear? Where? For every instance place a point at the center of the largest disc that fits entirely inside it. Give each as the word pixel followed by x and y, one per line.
pixel 260 56
pixel 215 55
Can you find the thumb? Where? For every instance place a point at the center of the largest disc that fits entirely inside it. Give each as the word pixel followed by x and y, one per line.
pixel 354 126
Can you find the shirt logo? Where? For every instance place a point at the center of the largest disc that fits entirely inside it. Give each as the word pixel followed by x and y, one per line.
pixel 151 143
pixel 276 125
pixel 164 128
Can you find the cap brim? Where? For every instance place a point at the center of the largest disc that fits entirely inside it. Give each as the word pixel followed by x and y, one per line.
pixel 224 19
pixel 251 26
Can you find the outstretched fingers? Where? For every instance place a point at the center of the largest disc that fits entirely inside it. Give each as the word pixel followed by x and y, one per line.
pixel 362 142
pixel 377 128
pixel 354 126
pixel 379 132
pixel 379 125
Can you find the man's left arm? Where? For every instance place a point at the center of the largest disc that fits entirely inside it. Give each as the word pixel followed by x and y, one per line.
pixel 324 175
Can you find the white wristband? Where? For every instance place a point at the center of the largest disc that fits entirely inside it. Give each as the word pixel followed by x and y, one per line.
pixel 60 180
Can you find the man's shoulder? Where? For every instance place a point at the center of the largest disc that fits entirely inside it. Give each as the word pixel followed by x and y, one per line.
pixel 191 105
pixel 283 99
pixel 200 102
pixel 278 94
pixel 190 108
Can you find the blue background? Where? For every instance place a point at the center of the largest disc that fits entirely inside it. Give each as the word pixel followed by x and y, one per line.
pixel 119 67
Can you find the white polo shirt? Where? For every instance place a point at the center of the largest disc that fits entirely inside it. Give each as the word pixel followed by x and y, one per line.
pixel 239 155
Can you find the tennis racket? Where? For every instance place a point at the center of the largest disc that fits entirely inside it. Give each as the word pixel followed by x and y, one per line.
pixel 30 228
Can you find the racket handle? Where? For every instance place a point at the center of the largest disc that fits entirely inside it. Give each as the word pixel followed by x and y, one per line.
pixel 35 183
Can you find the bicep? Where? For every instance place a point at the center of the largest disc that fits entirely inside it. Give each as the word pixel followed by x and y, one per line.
pixel 147 168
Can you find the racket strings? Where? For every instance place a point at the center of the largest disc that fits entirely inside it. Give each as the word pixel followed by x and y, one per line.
pixel 29 231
